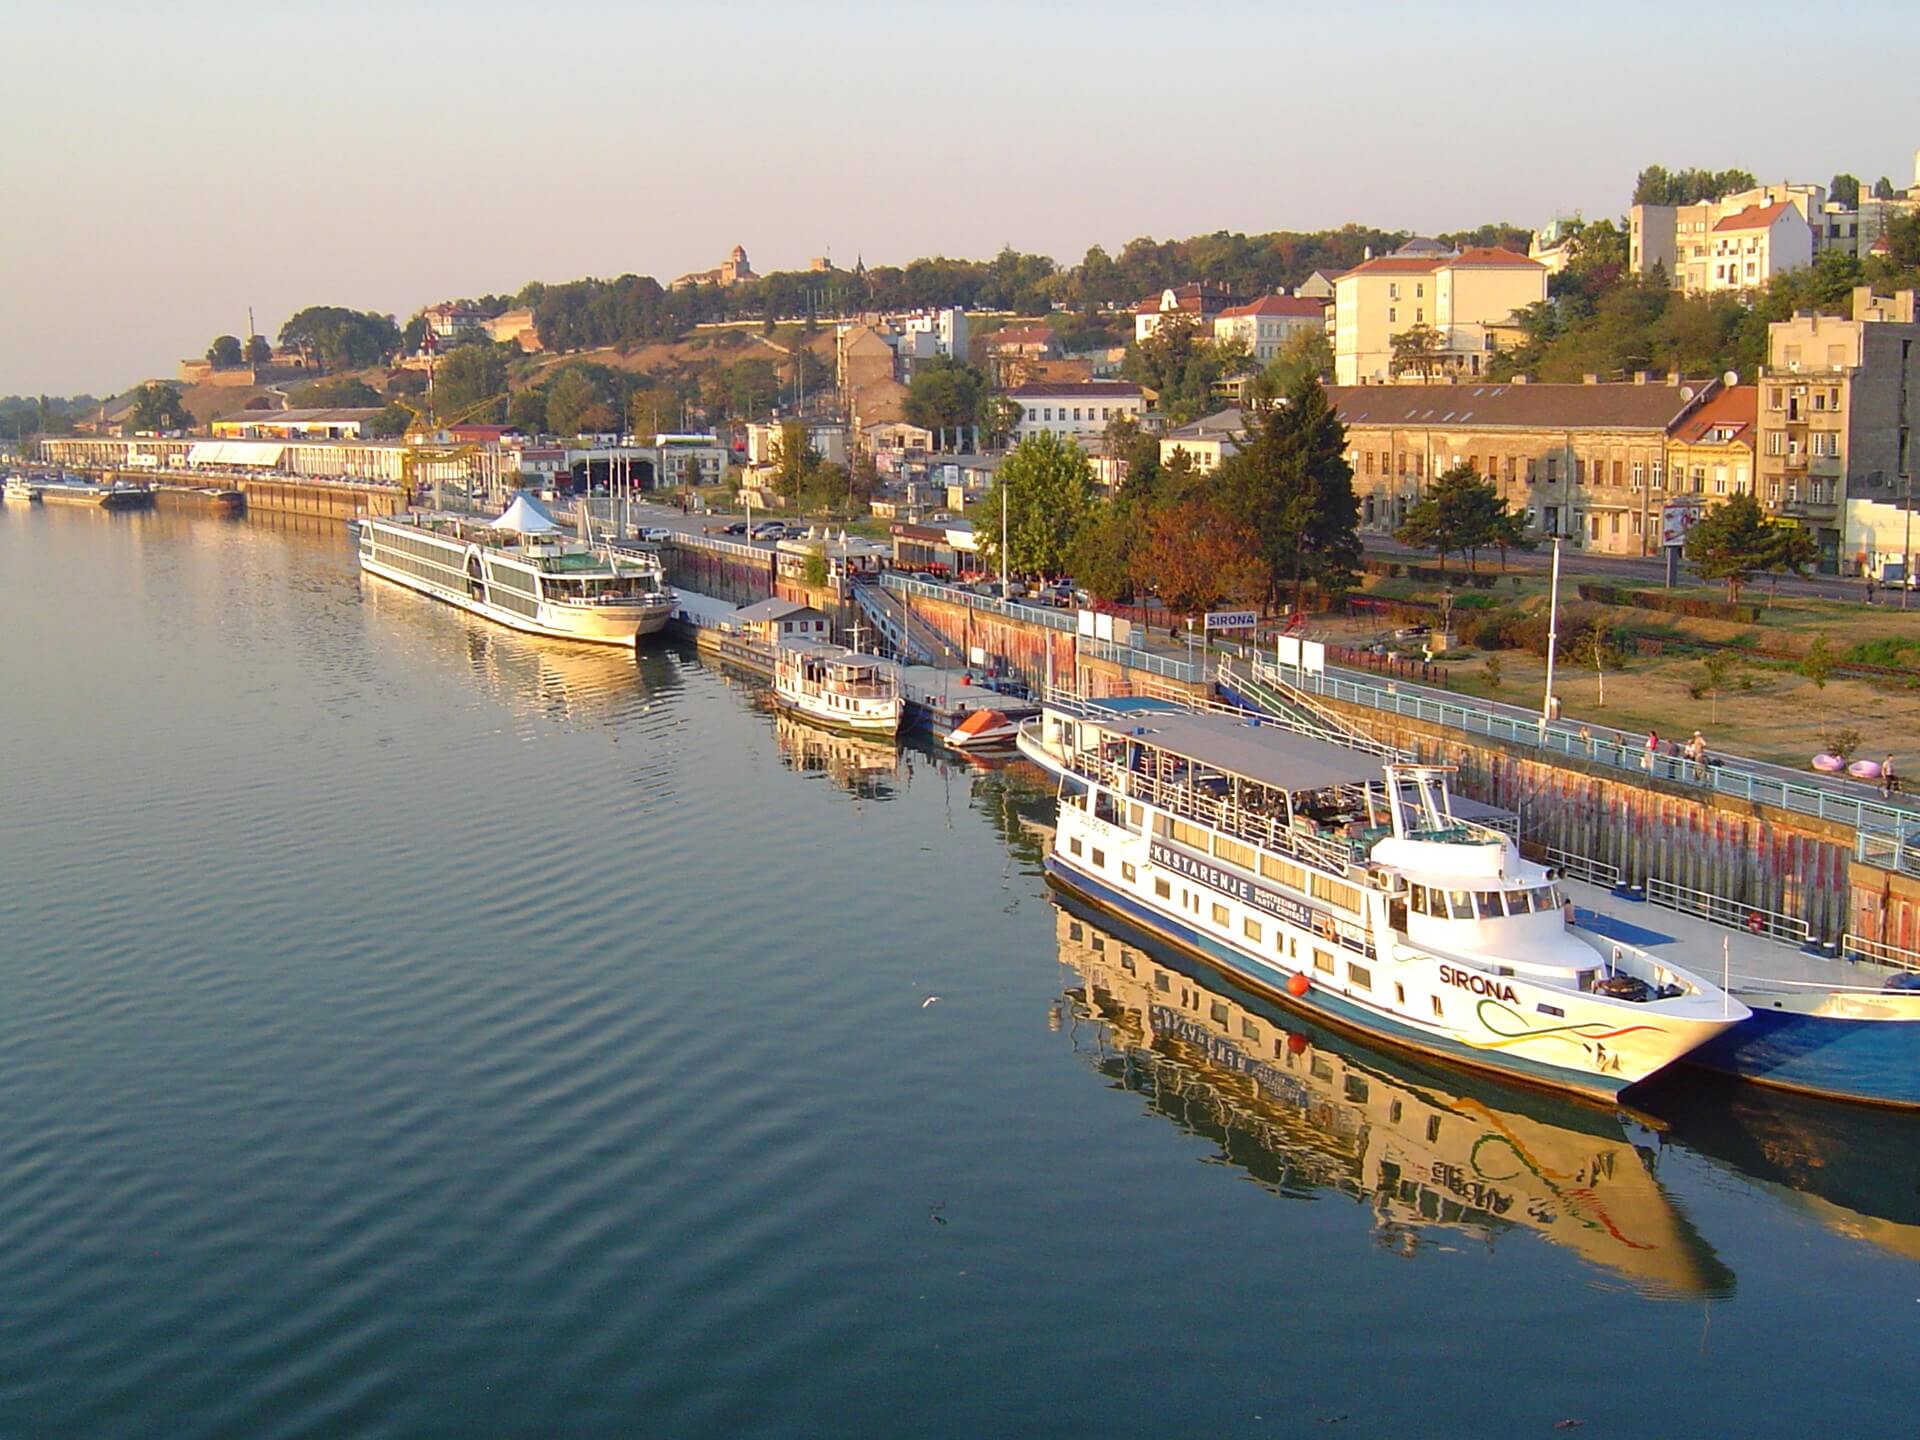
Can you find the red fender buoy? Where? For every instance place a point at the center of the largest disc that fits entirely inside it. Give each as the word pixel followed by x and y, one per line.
pixel 1297 1044
pixel 1298 986
pixel 1756 922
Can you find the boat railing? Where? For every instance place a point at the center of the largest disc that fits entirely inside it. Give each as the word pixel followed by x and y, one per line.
pixel 1236 822
pixel 1720 910
pixel 1880 952
pixel 1582 867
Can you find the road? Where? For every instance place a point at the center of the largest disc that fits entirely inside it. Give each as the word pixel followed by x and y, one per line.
pixel 1636 569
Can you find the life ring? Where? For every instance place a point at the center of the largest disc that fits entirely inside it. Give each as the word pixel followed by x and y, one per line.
pixel 1756 922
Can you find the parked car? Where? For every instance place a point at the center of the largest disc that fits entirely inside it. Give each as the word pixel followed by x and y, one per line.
pixel 738 527
pixel 656 534
pixel 770 530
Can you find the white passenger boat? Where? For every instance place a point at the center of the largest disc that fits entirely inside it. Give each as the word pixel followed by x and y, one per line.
pixel 19 487
pixel 520 571
pixel 840 688
pixel 1343 884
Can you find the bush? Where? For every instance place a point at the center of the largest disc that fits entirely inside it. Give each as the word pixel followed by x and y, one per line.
pixel 1699 607
pixel 1892 651
pixel 1486 631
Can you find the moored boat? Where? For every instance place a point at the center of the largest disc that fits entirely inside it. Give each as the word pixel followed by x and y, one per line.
pixel 1342 883
pixel 840 688
pixel 520 571
pixel 20 488
pixel 118 496
pixel 983 729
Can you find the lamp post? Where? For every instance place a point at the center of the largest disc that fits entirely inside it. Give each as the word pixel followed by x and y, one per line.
pixel 1553 638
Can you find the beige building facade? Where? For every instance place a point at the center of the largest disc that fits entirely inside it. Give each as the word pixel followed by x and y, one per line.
pixel 1465 297
pixel 1688 243
pixel 1584 461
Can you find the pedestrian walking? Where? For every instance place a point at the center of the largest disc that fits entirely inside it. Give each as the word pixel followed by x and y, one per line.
pixel 1869 588
pixel 1653 749
pixel 1697 753
pixel 1889 782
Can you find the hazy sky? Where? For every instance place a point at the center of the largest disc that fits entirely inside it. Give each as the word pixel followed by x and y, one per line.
pixel 165 166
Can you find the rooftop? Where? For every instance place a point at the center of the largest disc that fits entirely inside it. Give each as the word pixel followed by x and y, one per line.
pixel 325 416
pixel 1734 407
pixel 1754 217
pixel 1042 389
pixel 1263 754
pixel 1223 422
pixel 773 610
pixel 1520 407
pixel 1279 305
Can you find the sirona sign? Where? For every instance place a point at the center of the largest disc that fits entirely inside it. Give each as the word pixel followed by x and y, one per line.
pixel 1232 619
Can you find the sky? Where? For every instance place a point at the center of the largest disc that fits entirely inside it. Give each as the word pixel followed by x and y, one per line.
pixel 167 166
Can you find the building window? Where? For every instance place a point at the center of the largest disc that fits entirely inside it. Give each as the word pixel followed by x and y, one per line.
pixel 1639 473
pixel 1553 469
pixel 1393 315
pixel 1533 470
pixel 1659 475
pixel 1776 441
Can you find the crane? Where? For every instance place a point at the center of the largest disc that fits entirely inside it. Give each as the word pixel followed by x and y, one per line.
pixel 424 445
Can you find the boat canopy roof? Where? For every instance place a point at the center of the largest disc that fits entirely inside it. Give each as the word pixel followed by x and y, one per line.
pixel 525 516
pixel 1263 754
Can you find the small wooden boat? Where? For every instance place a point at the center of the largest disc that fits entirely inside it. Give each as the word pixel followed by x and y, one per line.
pixel 983 729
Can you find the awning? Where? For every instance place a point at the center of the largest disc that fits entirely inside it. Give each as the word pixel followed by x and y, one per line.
pixel 525 516
pixel 257 454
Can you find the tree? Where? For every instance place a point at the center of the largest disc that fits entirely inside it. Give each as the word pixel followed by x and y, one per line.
pixel 1903 239
pixel 390 422
pixel 1460 513
pixel 1047 488
pixel 341 392
pixel 1196 555
pixel 1306 353
pixel 225 352
pixel 468 375
pixel 157 407
pixel 259 350
pixel 944 398
pixel 1734 540
pixel 795 461
pixel 1883 189
pixel 1844 190
pixel 570 395
pixel 1179 363
pixel 527 412
pixel 1106 550
pixel 1291 487
pixel 998 416
pixel 342 339
pixel 1818 663
pixel 1417 351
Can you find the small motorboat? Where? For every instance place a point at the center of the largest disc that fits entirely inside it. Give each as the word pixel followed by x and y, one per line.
pixel 983 729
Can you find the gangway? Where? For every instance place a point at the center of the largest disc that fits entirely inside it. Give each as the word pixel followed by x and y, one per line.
pixel 907 635
pixel 1262 687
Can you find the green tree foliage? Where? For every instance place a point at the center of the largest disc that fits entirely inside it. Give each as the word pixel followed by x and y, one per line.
pixel 1179 362
pixel 1461 514
pixel 1197 554
pixel 753 387
pixel 225 352
pixel 467 375
pixel 390 422
pixel 945 398
pixel 1103 554
pixel 259 350
pixel 1734 541
pixel 1047 488
pixel 339 393
pixel 1306 354
pixel 342 339
pixel 1657 185
pixel 527 411
pixel 572 396
pixel 1844 190
pixel 1291 488
pixel 1417 351
pixel 157 407
pixel 1903 239
pixel 1883 189
pixel 25 415
pixel 1138 453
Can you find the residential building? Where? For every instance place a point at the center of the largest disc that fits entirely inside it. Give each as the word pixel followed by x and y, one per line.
pixel 1077 410
pixel 452 319
pixel 775 621
pixel 1690 247
pixel 1584 461
pixel 895 437
pixel 686 460
pixel 514 327
pixel 1551 246
pixel 1209 440
pixel 1200 299
pixel 734 270
pixel 1317 286
pixel 310 424
pixel 1265 325
pixel 1838 398
pixel 1464 296
pixel 1710 450
pixel 1014 352
pixel 826 438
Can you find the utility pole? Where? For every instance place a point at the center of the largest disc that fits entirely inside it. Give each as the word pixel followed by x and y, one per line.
pixel 1553 638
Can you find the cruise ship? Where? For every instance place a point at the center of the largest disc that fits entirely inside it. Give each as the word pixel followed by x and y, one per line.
pixel 1343 883
pixel 518 570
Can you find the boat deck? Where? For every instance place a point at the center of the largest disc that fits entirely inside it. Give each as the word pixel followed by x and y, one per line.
pixel 1706 949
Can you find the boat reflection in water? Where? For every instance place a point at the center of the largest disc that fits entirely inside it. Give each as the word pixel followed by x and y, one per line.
pixel 1303 1110
pixel 1853 1168
pixel 868 768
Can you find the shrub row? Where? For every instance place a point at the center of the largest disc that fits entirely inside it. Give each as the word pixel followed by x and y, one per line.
pixel 1699 607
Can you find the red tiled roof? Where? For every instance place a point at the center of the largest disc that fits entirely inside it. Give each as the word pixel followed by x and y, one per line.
pixel 1493 256
pixel 1279 305
pixel 1754 217
pixel 1023 335
pixel 1396 265
pixel 1736 407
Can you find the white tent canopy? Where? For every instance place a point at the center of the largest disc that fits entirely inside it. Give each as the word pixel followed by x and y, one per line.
pixel 525 517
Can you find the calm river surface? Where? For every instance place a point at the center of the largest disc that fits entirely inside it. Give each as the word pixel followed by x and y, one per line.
pixel 411 1029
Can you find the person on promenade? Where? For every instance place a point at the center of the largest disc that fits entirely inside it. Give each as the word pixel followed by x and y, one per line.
pixel 1697 755
pixel 1653 749
pixel 1889 782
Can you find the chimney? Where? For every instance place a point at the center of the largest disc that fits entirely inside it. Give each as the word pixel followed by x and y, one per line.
pixel 1366 252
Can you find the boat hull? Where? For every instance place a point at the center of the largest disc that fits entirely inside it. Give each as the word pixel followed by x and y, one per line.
pixel 606 629
pixel 882 727
pixel 1320 1003
pixel 1873 1062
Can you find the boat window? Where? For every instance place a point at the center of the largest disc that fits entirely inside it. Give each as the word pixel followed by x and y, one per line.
pixel 1190 835
pixel 1126 870
pixel 1233 852
pixel 1218 1012
pixel 1335 893
pixel 1323 962
pixel 1418 895
pixel 1100 857
pixel 1399 993
pixel 1163 889
pixel 1074 844
pixel 1283 871
pixel 1359 975
pixel 1437 1012
pixel 1220 916
pixel 1489 903
pixel 1544 898
pixel 1462 904
pixel 1135 815
pixel 1251 927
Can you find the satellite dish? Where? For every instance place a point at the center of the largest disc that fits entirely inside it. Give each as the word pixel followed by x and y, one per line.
pixel 1731 378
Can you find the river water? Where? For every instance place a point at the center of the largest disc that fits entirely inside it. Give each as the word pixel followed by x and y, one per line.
pixel 411 1029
